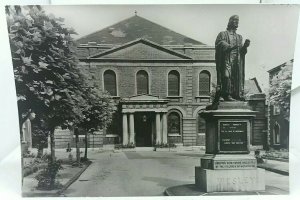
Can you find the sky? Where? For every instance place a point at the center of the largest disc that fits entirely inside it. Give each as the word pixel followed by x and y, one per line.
pixel 271 29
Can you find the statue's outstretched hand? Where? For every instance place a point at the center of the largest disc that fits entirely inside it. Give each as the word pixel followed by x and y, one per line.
pixel 247 43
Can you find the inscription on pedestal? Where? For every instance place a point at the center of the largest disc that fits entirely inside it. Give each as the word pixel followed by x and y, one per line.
pixel 233 136
pixel 234 164
pixel 232 181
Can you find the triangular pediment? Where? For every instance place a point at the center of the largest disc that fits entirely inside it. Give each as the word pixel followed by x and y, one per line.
pixel 140 49
pixel 142 97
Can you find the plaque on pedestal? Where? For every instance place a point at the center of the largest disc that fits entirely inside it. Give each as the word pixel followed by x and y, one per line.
pixel 233 136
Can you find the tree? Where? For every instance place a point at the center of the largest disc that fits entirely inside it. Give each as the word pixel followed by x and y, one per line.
pixel 47 78
pixel 40 133
pixel 280 89
pixel 98 112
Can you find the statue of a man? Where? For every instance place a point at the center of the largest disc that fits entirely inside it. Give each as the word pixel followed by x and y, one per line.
pixel 230 63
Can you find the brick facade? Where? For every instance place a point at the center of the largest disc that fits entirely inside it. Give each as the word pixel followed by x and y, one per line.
pixel 188 102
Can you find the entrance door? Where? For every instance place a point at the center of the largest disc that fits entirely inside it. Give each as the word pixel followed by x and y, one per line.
pixel 143 129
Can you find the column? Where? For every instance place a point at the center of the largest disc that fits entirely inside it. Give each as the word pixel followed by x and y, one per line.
pixel 131 128
pixel 164 128
pixel 158 136
pixel 125 129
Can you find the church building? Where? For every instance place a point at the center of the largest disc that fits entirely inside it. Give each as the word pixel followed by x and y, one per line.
pixel 161 81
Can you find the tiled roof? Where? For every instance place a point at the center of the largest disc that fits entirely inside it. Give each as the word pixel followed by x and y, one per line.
pixel 277 68
pixel 252 87
pixel 137 27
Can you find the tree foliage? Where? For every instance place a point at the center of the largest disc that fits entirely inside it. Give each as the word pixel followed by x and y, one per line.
pixel 47 78
pixel 280 89
pixel 98 110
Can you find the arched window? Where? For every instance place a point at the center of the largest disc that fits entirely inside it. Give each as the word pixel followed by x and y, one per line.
pixel 276 133
pixel 174 123
pixel 204 83
pixel 173 83
pixel 142 82
pixel 110 82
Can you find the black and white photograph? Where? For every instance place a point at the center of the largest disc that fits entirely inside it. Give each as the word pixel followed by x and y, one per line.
pixel 153 100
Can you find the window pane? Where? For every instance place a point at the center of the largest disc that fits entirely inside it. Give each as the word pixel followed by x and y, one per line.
pixel 110 82
pixel 174 123
pixel 173 83
pixel 204 83
pixel 142 82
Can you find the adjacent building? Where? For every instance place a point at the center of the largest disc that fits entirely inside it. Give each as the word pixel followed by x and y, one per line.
pixel 257 100
pixel 278 123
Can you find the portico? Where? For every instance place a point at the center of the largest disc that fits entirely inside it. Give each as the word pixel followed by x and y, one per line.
pixel 144 119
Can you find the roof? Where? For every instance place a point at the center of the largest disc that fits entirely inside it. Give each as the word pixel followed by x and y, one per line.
pixel 137 27
pixel 277 68
pixel 140 49
pixel 252 87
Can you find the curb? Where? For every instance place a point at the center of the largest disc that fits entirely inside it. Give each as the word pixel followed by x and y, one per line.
pixel 278 171
pixel 60 191
pixel 73 179
pixel 167 193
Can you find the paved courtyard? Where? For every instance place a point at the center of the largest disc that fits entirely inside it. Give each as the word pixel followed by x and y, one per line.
pixel 145 173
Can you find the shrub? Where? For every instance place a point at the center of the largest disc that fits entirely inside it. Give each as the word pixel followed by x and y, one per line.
pixel 28 154
pixel 164 145
pixel 258 156
pixel 128 146
pixel 47 177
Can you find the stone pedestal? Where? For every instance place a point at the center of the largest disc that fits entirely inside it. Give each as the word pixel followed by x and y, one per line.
pixel 227 165
pixel 230 180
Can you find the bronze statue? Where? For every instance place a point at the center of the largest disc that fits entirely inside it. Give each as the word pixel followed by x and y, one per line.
pixel 230 63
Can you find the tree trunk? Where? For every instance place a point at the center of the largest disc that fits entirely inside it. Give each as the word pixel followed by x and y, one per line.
pixel 40 150
pixel 22 155
pixel 52 157
pixel 86 145
pixel 77 147
pixel 52 144
pixel 23 150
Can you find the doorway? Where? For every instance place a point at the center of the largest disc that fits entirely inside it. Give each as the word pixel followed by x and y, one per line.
pixel 143 129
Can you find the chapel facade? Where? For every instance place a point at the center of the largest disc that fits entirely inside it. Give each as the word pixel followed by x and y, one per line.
pixel 161 81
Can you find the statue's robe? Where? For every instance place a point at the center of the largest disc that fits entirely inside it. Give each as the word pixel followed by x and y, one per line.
pixel 230 65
